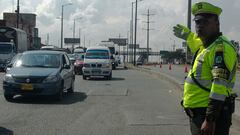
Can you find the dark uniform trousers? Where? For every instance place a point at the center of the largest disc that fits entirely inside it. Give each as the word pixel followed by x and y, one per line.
pixel 223 122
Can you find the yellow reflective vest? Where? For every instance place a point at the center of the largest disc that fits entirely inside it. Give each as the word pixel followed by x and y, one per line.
pixel 220 81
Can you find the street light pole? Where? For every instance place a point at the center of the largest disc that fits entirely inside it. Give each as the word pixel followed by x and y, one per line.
pixel 62 23
pixel 18 8
pixel 80 37
pixel 62 28
pixel 135 35
pixel 73 34
pixel 74 31
pixel 188 23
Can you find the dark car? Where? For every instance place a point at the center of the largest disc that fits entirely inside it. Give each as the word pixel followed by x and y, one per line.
pixel 39 73
pixel 78 64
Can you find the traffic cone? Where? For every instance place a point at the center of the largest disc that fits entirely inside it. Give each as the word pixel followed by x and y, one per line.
pixel 170 66
pixel 185 68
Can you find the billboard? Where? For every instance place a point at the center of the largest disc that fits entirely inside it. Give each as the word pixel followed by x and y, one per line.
pixel 119 41
pixel 71 40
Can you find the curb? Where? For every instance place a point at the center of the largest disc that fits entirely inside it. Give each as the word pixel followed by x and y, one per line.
pixel 236 118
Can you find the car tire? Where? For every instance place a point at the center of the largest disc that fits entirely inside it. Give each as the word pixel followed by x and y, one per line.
pixel 114 67
pixel 71 89
pixel 59 95
pixel 8 97
pixel 84 77
pixel 109 77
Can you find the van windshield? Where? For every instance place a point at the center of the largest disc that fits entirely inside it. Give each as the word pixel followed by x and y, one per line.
pixel 97 54
pixel 5 48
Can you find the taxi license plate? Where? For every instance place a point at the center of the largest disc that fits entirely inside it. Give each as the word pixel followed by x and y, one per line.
pixel 27 87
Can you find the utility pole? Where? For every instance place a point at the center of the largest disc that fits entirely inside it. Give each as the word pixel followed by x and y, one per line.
pixel 84 42
pixel 127 44
pixel 80 37
pixel 48 39
pixel 131 34
pixel 148 29
pixel 62 23
pixel 119 45
pixel 18 8
pixel 135 34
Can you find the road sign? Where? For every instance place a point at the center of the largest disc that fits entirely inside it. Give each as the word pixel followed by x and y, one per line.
pixel 71 40
pixel 119 41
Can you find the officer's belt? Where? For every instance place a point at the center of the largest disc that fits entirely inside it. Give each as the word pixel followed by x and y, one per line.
pixel 208 83
pixel 191 112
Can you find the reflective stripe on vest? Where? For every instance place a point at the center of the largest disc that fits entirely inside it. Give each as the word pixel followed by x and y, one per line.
pixel 199 65
pixel 208 83
pixel 216 96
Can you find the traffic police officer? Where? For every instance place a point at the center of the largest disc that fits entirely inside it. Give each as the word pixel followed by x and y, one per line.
pixel 208 87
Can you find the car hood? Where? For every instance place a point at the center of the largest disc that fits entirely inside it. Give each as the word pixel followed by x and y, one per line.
pixel 96 60
pixel 23 71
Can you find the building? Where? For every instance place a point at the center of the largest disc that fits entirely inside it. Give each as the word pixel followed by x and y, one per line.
pixel 27 22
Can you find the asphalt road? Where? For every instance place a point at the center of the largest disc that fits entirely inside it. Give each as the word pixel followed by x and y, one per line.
pixel 132 103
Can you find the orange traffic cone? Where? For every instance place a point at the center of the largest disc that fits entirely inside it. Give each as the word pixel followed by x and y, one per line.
pixel 170 66
pixel 185 68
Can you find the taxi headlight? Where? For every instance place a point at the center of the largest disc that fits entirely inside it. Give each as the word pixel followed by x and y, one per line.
pixel 8 78
pixel 51 78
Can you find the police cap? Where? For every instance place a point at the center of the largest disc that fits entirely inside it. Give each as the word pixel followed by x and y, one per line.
pixel 205 8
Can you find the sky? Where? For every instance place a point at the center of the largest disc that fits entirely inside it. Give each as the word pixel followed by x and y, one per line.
pixel 103 19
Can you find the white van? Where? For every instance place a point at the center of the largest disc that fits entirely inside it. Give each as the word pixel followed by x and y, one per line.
pixel 97 62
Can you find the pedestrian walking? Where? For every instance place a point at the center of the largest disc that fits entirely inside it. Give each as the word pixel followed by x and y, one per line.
pixel 208 99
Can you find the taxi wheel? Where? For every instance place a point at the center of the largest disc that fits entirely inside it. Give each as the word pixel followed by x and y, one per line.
pixel 8 97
